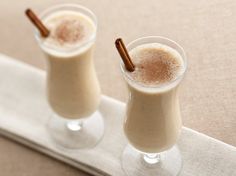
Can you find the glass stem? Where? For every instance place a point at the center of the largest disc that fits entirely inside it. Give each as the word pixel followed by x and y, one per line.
pixel 74 125
pixel 152 158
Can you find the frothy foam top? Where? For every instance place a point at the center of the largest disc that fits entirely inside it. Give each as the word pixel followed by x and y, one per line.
pixel 68 29
pixel 155 64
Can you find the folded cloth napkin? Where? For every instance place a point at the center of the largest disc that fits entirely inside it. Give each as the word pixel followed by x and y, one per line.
pixel 24 113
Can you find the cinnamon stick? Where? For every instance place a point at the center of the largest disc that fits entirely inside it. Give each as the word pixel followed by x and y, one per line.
pixel 37 22
pixel 124 55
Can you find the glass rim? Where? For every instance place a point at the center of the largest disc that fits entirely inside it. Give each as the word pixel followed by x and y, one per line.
pixel 50 10
pixel 162 85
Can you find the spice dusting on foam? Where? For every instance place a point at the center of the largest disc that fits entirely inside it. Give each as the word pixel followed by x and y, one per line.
pixel 68 29
pixel 155 64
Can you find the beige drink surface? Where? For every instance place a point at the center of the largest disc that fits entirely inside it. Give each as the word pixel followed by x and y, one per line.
pixel 155 64
pixel 68 29
pixel 153 120
pixel 73 88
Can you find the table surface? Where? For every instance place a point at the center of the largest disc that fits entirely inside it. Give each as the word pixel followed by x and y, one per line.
pixel 205 29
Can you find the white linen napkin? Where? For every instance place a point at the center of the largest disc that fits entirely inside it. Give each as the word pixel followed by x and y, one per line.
pixel 24 113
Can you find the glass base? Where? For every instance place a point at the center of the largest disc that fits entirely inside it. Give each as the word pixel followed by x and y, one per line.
pixel 76 134
pixel 168 163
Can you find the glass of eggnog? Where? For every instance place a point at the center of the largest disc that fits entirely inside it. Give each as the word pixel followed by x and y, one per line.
pixel 73 90
pixel 152 122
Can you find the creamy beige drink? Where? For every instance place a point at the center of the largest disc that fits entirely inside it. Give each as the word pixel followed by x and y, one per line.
pixel 73 88
pixel 67 33
pixel 153 120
